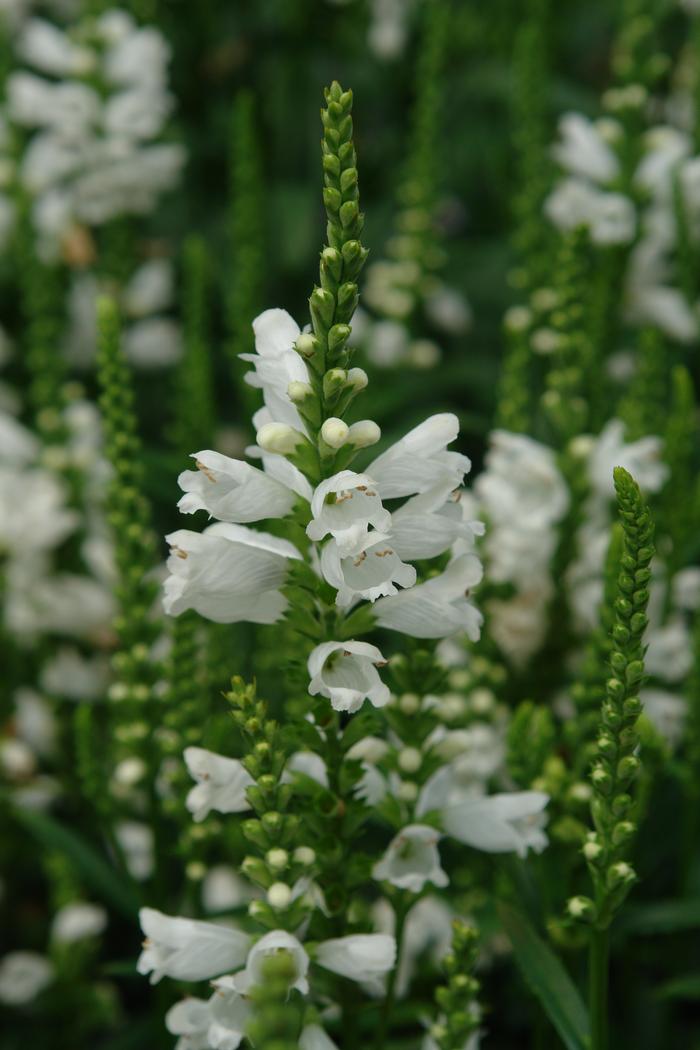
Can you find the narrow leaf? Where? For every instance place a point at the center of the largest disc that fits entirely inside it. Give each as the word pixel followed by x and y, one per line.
pixel 548 980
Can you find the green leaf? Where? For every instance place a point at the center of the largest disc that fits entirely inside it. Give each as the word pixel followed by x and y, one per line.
pixel 662 917
pixel 687 987
pixel 548 979
pixel 97 874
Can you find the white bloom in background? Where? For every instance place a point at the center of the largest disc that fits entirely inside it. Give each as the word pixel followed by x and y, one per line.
pixel 186 949
pixel 502 823
pixel 518 625
pixel 190 1020
pixel 270 944
pixel 610 217
pixel 35 722
pixel 78 920
pixel 438 607
pixel 223 889
pixel 372 571
pixel 669 655
pixel 70 674
pixel 277 364
pixel 667 712
pixel 23 975
pixel 136 842
pixel 521 483
pixel 231 490
pixel 313 1037
pixel 448 309
pixel 641 458
pixel 153 342
pixel 18 446
pixel 685 588
pixel 35 516
pixel 420 460
pixel 344 506
pixel 346 672
pixel 582 149
pixel 412 859
pixel 227 573
pixel 364 957
pixel 150 289
pixel 221 783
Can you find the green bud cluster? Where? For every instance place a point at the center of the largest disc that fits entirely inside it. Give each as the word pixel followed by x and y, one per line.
pixel 616 764
pixel 644 407
pixel 194 420
pixel 562 400
pixel 274 832
pixel 460 1014
pixel 530 742
pixel 277 1015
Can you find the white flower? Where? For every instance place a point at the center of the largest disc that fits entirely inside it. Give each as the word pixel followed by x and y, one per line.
pixel 344 506
pixel 430 523
pixel 153 342
pixel 277 364
pixel 582 150
pixel 44 46
pixel 373 570
pixel 522 484
pixel 669 655
pixel 666 712
pixel 23 975
pixel 501 823
pixel 313 1037
pixel 78 920
pixel 231 490
pixel 18 446
pixel 224 889
pixel 420 460
pixel 364 957
pixel 438 607
pixel 34 516
pixel 610 217
pixel 221 783
pixel 188 950
pixel 189 1020
pixel 150 289
pixel 270 944
pixel 412 859
pixel 227 573
pixel 641 458
pixel 136 842
pixel 346 672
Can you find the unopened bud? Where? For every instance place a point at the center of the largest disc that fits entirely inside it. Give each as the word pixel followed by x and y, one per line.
pixel 581 908
pixel 279 896
pixel 410 760
pixel 304 855
pixel 299 392
pixel 278 859
pixel 278 437
pixel 306 344
pixel 333 381
pixel 357 378
pixel 364 433
pixel 334 432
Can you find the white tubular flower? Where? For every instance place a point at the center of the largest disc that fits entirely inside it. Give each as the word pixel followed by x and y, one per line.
pixel 189 1020
pixel 34 513
pixel 231 490
pixel 430 523
pixel 438 607
pixel 583 151
pixel 505 823
pixel 313 1037
pixel 227 573
pixel 370 572
pixel 277 364
pixel 346 672
pixel 270 944
pixel 412 859
pixel 221 783
pixel 610 217
pixel 344 506
pixel 78 920
pixel 522 483
pixel 23 975
pixel 229 1014
pixel 420 460
pixel 364 957
pixel 641 458
pixel 45 47
pixel 188 950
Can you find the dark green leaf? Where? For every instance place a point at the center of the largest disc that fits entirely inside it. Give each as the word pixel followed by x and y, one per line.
pixel 548 979
pixel 97 874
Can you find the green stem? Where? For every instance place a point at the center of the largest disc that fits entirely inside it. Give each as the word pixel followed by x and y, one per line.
pixel 598 986
pixel 402 908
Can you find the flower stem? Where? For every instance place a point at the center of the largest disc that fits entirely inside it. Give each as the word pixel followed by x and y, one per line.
pixel 598 987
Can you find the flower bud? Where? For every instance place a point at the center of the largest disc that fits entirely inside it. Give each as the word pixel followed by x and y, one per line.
pixel 278 437
pixel 409 703
pixel 357 378
pixel 592 850
pixel 581 908
pixel 306 344
pixel 410 760
pixel 620 874
pixel 364 433
pixel 299 392
pixel 304 855
pixel 333 382
pixel 279 896
pixel 277 859
pixel 335 432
